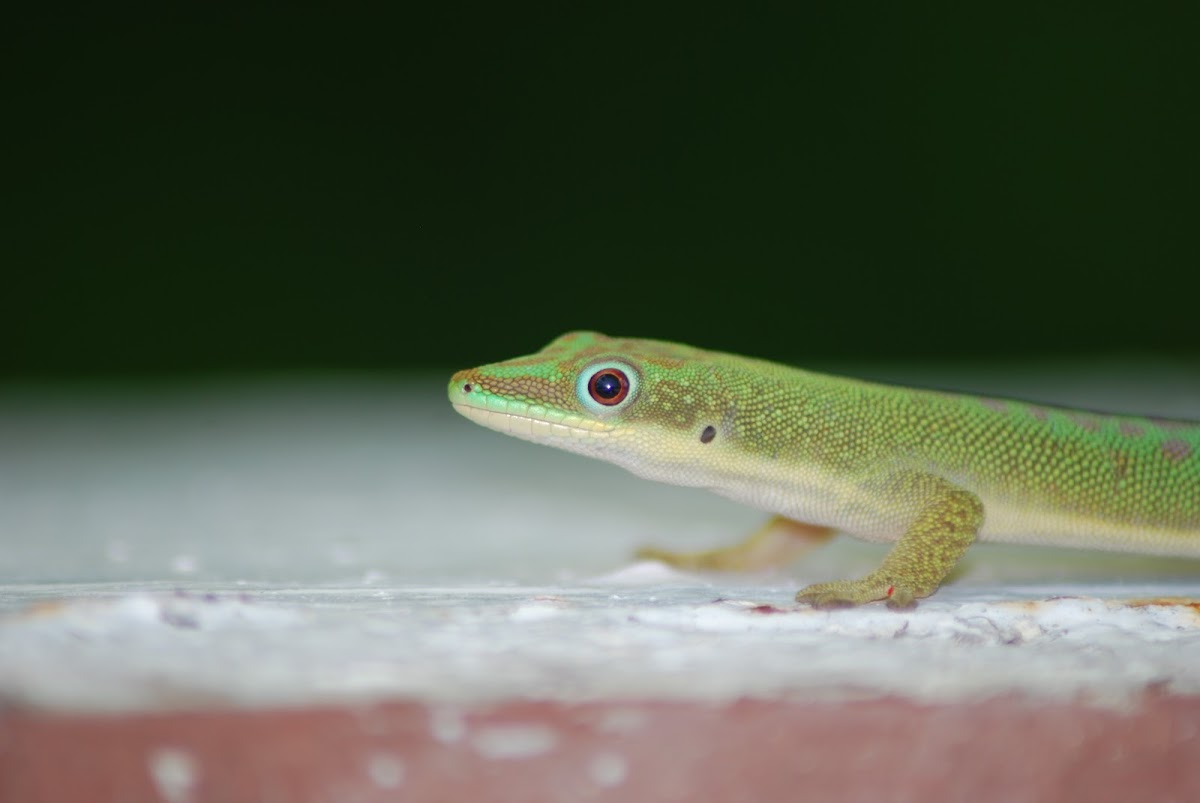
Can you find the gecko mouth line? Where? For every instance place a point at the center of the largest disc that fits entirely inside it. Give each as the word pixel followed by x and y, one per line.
pixel 513 423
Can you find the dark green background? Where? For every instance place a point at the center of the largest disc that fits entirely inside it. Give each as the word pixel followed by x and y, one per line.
pixel 211 191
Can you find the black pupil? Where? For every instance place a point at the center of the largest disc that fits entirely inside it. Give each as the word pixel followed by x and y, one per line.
pixel 607 386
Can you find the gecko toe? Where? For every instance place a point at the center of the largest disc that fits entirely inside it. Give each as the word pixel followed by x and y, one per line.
pixel 852 593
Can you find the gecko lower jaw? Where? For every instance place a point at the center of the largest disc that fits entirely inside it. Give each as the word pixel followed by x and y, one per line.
pixel 523 426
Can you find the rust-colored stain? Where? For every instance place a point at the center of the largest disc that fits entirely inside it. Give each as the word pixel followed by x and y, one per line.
pixel 1036 606
pixel 1033 605
pixel 44 608
pixel 1174 602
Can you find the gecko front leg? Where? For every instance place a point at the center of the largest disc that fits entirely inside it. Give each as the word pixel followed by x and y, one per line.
pixel 947 521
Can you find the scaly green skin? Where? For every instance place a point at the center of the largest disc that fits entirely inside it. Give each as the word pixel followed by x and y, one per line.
pixel 932 471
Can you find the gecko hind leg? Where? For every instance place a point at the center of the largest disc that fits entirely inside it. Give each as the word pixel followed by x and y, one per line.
pixel 779 541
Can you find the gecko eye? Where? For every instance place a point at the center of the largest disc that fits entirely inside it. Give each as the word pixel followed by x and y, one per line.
pixel 605 388
pixel 609 386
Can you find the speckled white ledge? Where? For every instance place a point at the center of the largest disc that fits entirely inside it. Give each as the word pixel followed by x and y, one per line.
pixel 89 647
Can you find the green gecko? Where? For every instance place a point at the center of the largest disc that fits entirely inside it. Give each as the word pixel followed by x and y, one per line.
pixel 931 471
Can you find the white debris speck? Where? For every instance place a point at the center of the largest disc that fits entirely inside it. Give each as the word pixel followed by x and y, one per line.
pixel 174 773
pixel 447 725
pixel 535 612
pixel 646 572
pixel 608 769
pixel 386 770
pixel 514 741
pixel 133 610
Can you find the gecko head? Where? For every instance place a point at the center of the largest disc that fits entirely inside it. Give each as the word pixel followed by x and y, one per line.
pixel 638 403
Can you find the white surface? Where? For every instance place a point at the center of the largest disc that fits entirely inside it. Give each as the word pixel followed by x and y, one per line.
pixel 302 542
pixel 463 644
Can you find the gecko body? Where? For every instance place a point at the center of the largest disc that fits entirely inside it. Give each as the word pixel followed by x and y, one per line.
pixel 931 471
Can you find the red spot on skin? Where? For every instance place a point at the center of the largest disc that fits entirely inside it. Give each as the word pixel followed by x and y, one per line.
pixel 891 590
pixel 994 404
pixel 1177 450
pixel 1039 413
pixel 1090 424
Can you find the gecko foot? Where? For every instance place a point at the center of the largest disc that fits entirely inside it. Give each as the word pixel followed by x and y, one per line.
pixel 851 593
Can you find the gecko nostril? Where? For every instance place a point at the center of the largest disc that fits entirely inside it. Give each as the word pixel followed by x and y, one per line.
pixel 467 388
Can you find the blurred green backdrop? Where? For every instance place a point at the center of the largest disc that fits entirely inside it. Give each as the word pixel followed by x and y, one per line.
pixel 196 190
